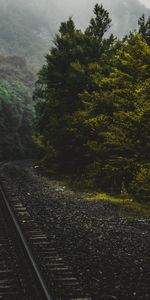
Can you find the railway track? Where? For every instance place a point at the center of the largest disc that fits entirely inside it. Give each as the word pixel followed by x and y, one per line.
pixel 83 250
pixel 52 273
pixel 19 275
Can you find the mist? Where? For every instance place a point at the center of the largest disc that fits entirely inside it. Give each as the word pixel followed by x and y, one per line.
pixel 27 28
pixel 124 13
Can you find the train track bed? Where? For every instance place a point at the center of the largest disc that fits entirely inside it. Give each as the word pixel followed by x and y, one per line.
pixel 84 250
pixel 15 280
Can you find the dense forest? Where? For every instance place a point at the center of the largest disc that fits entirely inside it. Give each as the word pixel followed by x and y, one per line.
pixel 24 38
pixel 16 108
pixel 92 112
pixel 89 110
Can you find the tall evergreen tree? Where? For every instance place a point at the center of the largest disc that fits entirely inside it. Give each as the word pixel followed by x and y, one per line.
pixel 100 24
pixel 93 106
pixel 70 67
pixel 144 28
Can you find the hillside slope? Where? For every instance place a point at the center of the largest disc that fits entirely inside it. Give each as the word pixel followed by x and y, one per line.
pixel 23 32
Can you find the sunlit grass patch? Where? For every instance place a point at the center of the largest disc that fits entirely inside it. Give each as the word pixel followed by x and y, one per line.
pixel 133 206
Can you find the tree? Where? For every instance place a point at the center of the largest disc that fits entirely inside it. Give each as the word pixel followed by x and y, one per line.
pixel 16 117
pixel 93 106
pixel 74 60
pixel 117 118
pixel 144 28
pixel 100 24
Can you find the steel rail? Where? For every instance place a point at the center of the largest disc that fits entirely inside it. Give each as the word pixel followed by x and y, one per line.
pixel 40 284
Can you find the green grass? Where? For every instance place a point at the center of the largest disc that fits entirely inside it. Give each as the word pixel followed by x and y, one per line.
pixel 131 205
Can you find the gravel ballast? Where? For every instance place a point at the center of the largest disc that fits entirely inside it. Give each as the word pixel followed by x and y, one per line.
pixel 109 253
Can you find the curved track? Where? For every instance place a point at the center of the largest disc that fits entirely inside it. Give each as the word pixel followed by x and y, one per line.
pixel 19 275
pixel 33 248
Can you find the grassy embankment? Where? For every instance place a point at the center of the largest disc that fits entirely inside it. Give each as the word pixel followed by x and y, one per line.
pixel 130 205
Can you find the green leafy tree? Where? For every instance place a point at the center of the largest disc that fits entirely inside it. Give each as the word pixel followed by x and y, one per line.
pixel 117 118
pixel 16 117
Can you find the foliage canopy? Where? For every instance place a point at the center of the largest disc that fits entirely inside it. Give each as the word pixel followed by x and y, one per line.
pixel 92 116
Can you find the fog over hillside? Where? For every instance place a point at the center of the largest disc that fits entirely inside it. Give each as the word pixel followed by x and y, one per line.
pixel 28 27
pixel 124 13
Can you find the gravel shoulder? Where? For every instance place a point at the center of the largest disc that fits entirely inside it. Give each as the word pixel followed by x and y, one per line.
pixel 108 252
